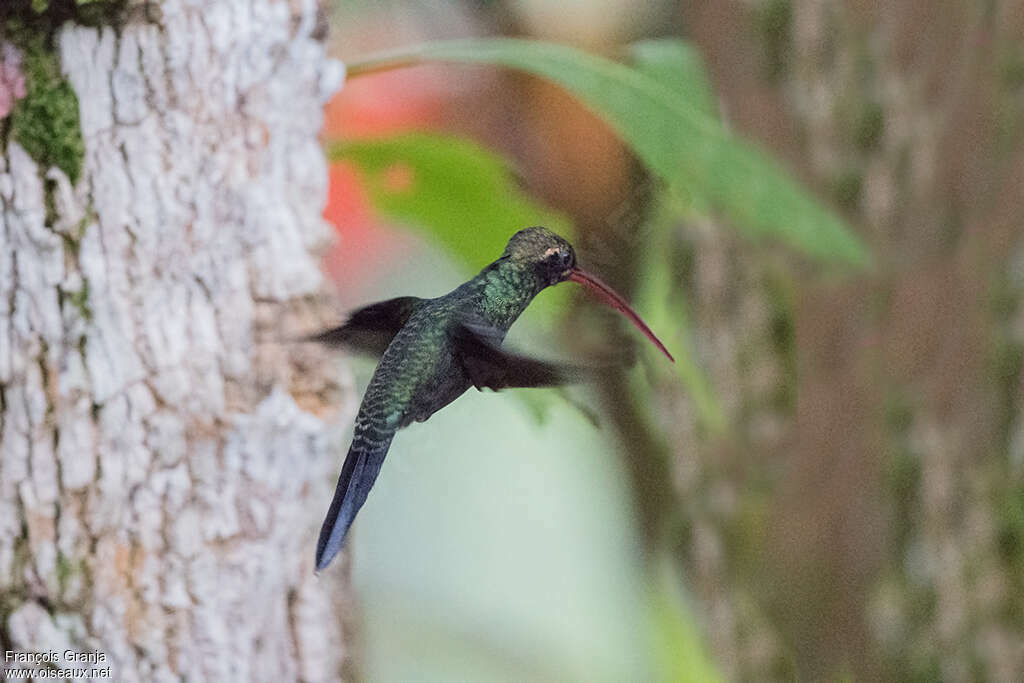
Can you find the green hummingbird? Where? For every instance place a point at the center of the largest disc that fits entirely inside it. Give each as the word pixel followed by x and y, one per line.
pixel 432 350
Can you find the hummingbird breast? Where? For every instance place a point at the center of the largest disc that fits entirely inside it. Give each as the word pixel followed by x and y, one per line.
pixel 418 373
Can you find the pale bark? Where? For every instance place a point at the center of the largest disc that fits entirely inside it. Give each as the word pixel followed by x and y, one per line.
pixel 159 485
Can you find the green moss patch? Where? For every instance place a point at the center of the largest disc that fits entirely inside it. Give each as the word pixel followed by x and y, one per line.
pixel 46 122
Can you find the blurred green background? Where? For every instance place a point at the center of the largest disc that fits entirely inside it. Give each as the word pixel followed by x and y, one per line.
pixel 817 206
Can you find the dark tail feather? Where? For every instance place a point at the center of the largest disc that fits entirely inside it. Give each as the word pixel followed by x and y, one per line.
pixel 362 465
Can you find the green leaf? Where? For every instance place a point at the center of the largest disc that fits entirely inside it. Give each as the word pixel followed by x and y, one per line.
pixel 677 66
pixel 677 140
pixel 453 190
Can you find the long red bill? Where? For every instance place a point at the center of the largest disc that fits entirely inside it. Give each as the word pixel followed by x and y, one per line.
pixel 612 298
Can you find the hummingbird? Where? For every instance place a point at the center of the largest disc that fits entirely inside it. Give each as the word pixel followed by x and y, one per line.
pixel 433 350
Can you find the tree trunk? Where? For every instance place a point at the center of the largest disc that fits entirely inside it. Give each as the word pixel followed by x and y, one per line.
pixel 873 509
pixel 160 487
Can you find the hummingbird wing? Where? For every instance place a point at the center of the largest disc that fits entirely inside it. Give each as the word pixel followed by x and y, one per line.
pixel 478 349
pixel 370 329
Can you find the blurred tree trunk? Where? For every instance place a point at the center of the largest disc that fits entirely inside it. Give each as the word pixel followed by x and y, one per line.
pixel 873 510
pixel 160 487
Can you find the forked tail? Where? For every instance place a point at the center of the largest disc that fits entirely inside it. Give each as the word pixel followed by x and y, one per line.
pixel 362 465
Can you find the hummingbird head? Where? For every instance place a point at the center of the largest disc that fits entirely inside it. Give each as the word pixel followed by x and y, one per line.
pixel 554 260
pixel 550 256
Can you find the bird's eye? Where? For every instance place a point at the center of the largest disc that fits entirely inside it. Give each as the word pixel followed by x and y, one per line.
pixel 557 261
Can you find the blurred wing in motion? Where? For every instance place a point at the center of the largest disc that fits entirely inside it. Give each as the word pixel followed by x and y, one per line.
pixel 370 329
pixel 478 350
